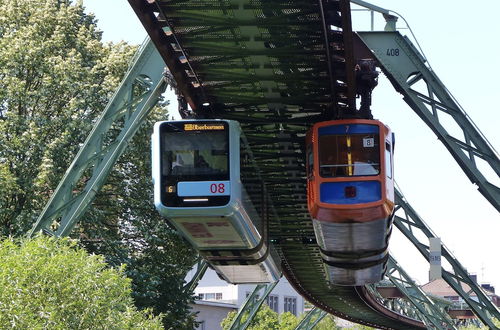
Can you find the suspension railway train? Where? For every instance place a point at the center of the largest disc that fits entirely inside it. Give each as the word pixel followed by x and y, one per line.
pixel 198 188
pixel 350 194
pixel 350 190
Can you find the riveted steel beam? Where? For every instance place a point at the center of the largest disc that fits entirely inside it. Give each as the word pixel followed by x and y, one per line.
pixel 312 318
pixel 405 66
pixel 413 227
pixel 251 306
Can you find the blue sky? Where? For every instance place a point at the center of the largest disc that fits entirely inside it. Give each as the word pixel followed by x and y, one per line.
pixel 460 42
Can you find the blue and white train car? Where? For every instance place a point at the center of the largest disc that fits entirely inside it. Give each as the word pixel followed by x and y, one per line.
pixel 198 188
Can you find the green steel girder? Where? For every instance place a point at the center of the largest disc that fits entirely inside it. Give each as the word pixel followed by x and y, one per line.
pixel 401 306
pixel 408 68
pixel 233 51
pixel 251 305
pixel 201 268
pixel 193 38
pixel 231 63
pixel 197 18
pixel 138 93
pixel 404 71
pixel 432 314
pixel 313 317
pixel 243 76
pixel 233 6
pixel 412 226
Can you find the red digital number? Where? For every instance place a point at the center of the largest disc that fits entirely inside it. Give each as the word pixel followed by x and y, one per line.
pixel 217 188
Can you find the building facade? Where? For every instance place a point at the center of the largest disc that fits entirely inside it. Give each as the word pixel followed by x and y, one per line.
pixel 442 289
pixel 210 313
pixel 216 299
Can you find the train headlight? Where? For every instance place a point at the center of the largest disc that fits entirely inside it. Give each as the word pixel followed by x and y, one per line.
pixel 350 191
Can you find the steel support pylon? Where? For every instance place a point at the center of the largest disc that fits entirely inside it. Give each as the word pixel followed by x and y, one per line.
pixel 413 227
pixel 139 91
pixel 313 317
pixel 251 306
pixel 433 315
pixel 405 67
pixel 201 268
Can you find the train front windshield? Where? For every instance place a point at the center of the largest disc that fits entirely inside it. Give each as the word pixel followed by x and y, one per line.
pixel 193 153
pixel 349 150
pixel 196 156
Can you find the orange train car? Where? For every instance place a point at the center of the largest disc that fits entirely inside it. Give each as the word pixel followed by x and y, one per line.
pixel 350 196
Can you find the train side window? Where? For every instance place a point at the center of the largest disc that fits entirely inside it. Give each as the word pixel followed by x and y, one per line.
pixel 310 161
pixel 388 160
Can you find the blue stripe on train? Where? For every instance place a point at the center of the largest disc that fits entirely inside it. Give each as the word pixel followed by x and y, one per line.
pixel 348 129
pixel 334 192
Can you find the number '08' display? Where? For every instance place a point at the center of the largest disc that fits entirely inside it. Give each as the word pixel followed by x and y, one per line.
pixel 217 188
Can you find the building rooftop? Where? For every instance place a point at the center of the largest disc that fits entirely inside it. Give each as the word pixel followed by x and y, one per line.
pixel 440 288
pixel 215 304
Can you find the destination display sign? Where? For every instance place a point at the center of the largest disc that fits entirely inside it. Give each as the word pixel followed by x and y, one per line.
pixel 204 127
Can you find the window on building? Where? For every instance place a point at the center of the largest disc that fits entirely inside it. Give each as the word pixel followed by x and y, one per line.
pixel 272 302
pixel 290 305
pixel 209 296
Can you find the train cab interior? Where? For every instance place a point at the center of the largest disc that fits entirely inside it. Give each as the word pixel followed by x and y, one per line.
pixel 193 155
pixel 343 155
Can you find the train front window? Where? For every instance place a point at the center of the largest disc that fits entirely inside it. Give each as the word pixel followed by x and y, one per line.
pixel 349 150
pixel 195 156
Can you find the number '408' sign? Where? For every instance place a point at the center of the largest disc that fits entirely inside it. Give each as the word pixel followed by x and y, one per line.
pixel 392 52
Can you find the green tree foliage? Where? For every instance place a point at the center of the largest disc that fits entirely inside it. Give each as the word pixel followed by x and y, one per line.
pixel 56 76
pixel 48 283
pixel 326 323
pixel 268 319
pixel 288 321
pixel 265 318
